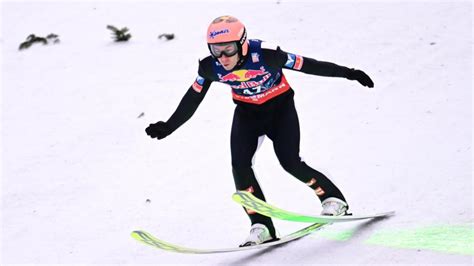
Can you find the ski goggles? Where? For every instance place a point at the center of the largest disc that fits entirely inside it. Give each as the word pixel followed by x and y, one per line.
pixel 228 48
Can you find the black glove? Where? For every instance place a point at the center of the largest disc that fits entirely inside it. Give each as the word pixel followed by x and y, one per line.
pixel 158 130
pixel 359 75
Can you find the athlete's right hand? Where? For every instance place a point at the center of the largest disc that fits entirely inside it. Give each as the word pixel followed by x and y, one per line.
pixel 158 130
pixel 361 77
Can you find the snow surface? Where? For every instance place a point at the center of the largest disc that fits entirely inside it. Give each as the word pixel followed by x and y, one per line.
pixel 78 168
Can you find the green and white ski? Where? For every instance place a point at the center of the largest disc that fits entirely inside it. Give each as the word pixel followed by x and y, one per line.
pixel 249 201
pixel 150 240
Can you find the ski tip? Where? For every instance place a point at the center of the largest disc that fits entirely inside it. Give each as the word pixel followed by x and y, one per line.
pixel 137 233
pixel 238 194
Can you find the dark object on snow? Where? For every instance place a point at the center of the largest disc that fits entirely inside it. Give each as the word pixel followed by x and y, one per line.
pixel 166 36
pixel 53 37
pixel 36 39
pixel 120 35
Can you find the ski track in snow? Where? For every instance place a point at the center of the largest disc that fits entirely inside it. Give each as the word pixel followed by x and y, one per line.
pixel 78 168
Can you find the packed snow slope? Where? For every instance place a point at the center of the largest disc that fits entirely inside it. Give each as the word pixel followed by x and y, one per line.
pixel 79 173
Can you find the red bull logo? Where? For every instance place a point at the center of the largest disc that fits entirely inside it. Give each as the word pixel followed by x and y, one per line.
pixel 230 77
pixel 243 75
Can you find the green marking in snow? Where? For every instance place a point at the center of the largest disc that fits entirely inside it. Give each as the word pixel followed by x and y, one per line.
pixel 454 239
pixel 338 235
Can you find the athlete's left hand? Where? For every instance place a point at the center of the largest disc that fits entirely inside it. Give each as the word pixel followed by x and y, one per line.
pixel 359 75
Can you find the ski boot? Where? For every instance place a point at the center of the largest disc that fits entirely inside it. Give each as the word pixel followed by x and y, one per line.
pixel 334 207
pixel 259 234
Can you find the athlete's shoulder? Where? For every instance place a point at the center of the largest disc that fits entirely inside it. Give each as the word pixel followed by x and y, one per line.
pixel 272 54
pixel 207 61
pixel 269 46
pixel 206 68
pixel 257 43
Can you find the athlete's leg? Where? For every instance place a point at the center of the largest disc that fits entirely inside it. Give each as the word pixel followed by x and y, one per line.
pixel 285 133
pixel 244 142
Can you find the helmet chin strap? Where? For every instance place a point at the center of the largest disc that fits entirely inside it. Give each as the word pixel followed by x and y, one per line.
pixel 241 60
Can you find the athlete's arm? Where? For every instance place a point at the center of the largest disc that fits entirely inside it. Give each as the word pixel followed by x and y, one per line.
pixel 189 103
pixel 280 58
pixel 185 110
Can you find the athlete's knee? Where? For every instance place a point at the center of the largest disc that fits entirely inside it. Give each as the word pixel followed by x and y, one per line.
pixel 243 177
pixel 241 165
pixel 241 170
pixel 291 166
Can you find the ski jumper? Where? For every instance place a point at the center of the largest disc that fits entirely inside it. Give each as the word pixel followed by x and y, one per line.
pixel 264 106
